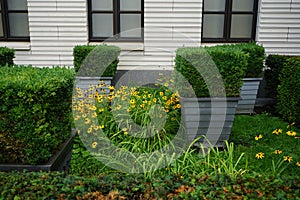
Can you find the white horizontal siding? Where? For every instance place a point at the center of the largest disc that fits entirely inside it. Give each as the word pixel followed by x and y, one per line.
pixel 168 25
pixel 279 26
pixel 56 26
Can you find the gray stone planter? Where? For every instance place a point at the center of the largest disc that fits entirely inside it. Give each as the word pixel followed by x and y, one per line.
pixel 58 162
pixel 211 117
pixel 84 82
pixel 248 95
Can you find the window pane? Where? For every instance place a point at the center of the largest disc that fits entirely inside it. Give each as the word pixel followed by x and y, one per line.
pixel 130 5
pixel 1 27
pixel 18 24
pixel 241 26
pixel 130 25
pixel 102 25
pixel 242 5
pixel 102 5
pixel 213 26
pixel 17 4
pixel 214 5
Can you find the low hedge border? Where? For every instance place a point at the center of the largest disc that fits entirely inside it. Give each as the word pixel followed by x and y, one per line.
pixel 122 186
pixel 35 111
pixel 288 98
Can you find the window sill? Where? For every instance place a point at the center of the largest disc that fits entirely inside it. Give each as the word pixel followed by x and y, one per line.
pixel 19 46
pixel 126 46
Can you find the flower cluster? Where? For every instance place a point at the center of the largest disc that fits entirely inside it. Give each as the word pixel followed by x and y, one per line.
pixel 120 113
pixel 277 151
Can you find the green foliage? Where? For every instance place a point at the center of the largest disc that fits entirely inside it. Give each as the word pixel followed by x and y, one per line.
pixel 274 64
pixel 35 111
pixel 245 135
pixel 231 64
pixel 6 56
pixel 288 99
pixel 101 60
pixel 39 185
pixel 256 58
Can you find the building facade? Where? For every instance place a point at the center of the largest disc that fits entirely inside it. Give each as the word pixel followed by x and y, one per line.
pixel 43 33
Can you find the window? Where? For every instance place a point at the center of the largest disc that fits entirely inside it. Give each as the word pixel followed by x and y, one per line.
pixel 14 20
pixel 229 20
pixel 123 19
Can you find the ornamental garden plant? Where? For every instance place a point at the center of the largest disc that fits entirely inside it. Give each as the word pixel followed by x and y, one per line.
pixel 35 111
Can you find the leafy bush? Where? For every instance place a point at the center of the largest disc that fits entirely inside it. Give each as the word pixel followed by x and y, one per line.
pixel 35 108
pixel 230 63
pixel 101 60
pixel 122 186
pixel 274 64
pixel 256 58
pixel 288 99
pixel 6 56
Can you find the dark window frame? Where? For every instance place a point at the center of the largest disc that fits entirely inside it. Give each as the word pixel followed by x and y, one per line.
pixel 227 23
pixel 116 23
pixel 5 23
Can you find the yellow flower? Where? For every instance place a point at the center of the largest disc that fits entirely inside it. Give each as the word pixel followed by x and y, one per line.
pixel 111 87
pixel 94 115
pixel 161 94
pixel 278 152
pixel 277 131
pixel 90 130
pixel 94 145
pixel 259 155
pixel 178 106
pixel 101 109
pixel 77 117
pixel 287 158
pixel 298 164
pixel 258 137
pixel 132 101
pixel 166 84
pixel 124 129
pixel 154 100
pixel 125 133
pixel 291 133
pixel 149 95
pixel 87 121
pixel 101 126
pixel 165 98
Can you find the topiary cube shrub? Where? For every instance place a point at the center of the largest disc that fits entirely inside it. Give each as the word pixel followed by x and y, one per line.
pixel 6 56
pixel 288 98
pixel 35 111
pixel 98 60
pixel 230 63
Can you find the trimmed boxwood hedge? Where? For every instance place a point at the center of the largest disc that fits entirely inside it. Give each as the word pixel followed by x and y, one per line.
pixel 35 111
pixel 255 62
pixel 288 99
pixel 122 186
pixel 230 63
pixel 274 65
pixel 6 56
pixel 96 57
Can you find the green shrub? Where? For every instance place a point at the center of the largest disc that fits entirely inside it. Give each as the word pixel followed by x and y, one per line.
pixel 256 58
pixel 288 99
pixel 6 56
pixel 101 60
pixel 274 64
pixel 230 63
pixel 35 111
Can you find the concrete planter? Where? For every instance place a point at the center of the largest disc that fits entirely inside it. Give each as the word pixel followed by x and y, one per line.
pixel 211 117
pixel 58 162
pixel 248 95
pixel 84 82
